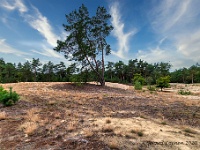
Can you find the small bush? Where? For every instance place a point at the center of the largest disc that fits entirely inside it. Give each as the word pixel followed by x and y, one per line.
pixel 151 88
pixel 8 98
pixel 138 85
pixel 187 130
pixel 163 123
pixel 184 92
pixel 140 133
pixel 108 121
pixel 138 78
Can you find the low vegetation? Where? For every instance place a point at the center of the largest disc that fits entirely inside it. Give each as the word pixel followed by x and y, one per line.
pixel 54 115
pixel 138 85
pixel 8 98
pixel 184 92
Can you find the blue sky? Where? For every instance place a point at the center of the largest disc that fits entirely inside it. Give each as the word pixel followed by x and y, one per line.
pixel 151 30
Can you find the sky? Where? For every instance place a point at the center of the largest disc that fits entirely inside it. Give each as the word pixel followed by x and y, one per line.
pixel 151 30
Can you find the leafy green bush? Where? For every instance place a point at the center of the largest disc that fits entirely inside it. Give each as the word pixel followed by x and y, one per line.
pixel 76 79
pixel 138 85
pixel 8 98
pixel 184 92
pixel 138 78
pixel 163 82
pixel 151 88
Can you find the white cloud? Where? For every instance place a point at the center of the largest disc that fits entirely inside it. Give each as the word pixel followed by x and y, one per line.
pixel 162 55
pixel 14 4
pixel 178 23
pixel 7 49
pixel 118 32
pixel 40 23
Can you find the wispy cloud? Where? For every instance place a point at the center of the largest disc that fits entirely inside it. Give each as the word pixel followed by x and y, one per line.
pixel 14 4
pixel 177 22
pixel 47 52
pixel 37 21
pixel 7 49
pixel 118 32
pixel 40 23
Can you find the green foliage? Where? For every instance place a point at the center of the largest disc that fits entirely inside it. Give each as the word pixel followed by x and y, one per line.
pixel 76 79
pixel 115 80
pixel 187 130
pixel 184 92
pixel 163 82
pixel 140 133
pixel 87 39
pixel 138 78
pixel 151 88
pixel 138 85
pixel 8 98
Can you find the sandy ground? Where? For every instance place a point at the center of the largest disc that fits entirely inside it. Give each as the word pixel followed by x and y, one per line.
pixel 65 116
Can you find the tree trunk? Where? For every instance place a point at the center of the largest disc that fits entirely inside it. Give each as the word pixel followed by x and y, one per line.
pixel 102 75
pixel 192 78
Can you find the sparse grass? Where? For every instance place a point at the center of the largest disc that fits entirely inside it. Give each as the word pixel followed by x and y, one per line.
pixel 133 131
pixel 187 130
pixel 151 92
pixel 113 143
pixel 163 123
pixel 72 126
pixel 108 121
pixel 52 102
pixel 151 88
pixel 2 115
pixel 107 129
pixel 138 132
pixel 61 114
pixel 88 132
pixel 32 121
pixel 100 97
pixel 142 116
pixel 184 92
pixel 29 127
pixel 32 116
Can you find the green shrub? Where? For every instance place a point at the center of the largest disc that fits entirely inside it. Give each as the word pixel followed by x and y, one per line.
pixel 76 79
pixel 163 82
pixel 138 78
pixel 184 92
pixel 151 88
pixel 138 85
pixel 187 130
pixel 140 133
pixel 8 98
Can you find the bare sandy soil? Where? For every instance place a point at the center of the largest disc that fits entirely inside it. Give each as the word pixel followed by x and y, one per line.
pixel 66 116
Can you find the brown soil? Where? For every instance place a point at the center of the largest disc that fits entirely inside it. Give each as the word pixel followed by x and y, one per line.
pixel 67 116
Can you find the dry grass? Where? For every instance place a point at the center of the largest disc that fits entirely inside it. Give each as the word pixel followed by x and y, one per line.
pixel 112 116
pixel 108 121
pixel 3 115
pixel 113 143
pixel 88 132
pixel 31 123
pixel 29 127
pixel 107 128
pixel 52 102
pixel 138 132
pixel 188 130
pixel 32 115
pixel 72 126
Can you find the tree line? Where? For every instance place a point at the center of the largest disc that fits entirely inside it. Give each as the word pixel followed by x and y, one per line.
pixel 119 72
